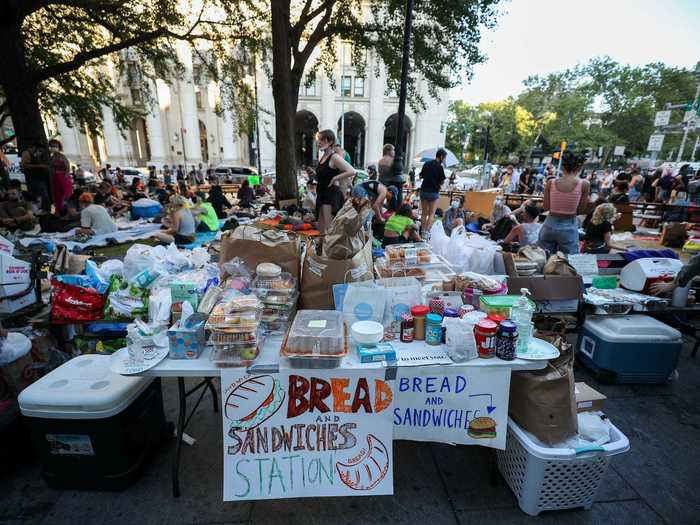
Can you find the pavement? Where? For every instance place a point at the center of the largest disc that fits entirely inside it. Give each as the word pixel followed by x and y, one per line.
pixel 655 482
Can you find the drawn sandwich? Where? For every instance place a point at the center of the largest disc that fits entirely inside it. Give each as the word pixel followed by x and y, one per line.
pixel 482 428
pixel 365 471
pixel 253 401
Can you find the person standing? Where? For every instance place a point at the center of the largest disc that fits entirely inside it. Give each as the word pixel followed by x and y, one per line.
pixel 309 200
pixel 35 165
pixel 61 181
pixel 636 185
pixel 332 170
pixel 199 174
pixel 564 199
pixel 385 170
pixel 433 175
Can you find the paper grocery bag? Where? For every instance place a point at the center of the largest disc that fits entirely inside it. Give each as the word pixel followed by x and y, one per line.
pixel 255 246
pixel 673 234
pixel 543 402
pixel 319 274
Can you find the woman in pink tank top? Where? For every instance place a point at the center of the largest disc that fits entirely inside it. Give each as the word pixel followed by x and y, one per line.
pixel 564 199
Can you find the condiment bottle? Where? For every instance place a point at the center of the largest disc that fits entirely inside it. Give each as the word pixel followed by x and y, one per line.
pixel 485 337
pixel 419 312
pixel 506 338
pixel 407 328
pixel 433 329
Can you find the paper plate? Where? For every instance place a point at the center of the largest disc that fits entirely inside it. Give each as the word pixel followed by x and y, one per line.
pixel 122 364
pixel 538 350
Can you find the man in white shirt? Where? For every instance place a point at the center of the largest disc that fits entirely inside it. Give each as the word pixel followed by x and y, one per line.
pixel 94 219
pixel 309 200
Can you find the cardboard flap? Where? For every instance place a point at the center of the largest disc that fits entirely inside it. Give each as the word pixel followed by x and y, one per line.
pixel 548 287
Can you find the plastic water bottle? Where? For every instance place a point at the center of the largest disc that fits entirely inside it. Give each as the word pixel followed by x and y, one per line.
pixel 521 314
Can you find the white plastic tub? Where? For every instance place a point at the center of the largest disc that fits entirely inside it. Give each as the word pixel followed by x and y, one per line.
pixel 545 478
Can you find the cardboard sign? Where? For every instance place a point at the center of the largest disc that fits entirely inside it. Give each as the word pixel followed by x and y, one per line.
pixel 584 263
pixel 459 405
pixel 306 433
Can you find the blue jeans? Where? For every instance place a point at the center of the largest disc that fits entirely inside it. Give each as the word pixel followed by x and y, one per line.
pixel 559 234
pixel 429 196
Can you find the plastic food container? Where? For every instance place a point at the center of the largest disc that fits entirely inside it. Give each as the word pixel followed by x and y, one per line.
pixel 268 270
pixel 233 355
pixel 472 295
pixel 418 253
pixel 367 332
pixel 234 321
pixel 317 332
pixel 499 304
pixel 280 284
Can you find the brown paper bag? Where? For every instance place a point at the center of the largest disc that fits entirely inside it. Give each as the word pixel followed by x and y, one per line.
pixel 345 236
pixel 254 246
pixel 543 401
pixel 558 265
pixel 320 273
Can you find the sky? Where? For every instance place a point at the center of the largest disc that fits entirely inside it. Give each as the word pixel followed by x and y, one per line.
pixel 542 36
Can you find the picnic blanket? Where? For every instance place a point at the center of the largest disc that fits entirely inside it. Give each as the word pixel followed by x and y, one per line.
pixel 129 233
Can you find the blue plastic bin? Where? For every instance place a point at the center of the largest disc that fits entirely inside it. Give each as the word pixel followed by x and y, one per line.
pixel 629 348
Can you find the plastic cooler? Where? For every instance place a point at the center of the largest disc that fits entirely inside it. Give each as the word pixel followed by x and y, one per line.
pixel 544 478
pixel 629 348
pixel 91 428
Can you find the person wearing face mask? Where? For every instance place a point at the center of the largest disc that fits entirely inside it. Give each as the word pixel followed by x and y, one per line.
pixel 454 216
pixel 61 180
pixel 16 213
pixel 332 170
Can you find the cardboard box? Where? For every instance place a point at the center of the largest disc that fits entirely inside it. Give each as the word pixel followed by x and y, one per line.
pixel 588 399
pixel 551 293
pixel 6 247
pixel 14 270
pixel 481 202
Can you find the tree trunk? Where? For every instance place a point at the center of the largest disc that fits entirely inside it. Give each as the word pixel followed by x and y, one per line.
pixel 285 90
pixel 21 92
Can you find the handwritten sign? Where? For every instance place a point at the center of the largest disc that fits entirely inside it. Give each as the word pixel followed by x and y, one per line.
pixel 459 405
pixel 301 433
pixel 584 264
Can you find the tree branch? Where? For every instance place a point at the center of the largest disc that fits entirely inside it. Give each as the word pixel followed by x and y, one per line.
pixel 82 58
pixel 318 34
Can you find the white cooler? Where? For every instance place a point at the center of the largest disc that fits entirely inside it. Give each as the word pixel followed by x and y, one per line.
pixel 92 428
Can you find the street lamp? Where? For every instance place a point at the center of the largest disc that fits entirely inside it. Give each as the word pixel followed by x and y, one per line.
pixel 484 176
pixel 398 165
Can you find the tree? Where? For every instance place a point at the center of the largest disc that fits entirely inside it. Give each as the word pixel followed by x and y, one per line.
pixel 301 27
pixel 55 54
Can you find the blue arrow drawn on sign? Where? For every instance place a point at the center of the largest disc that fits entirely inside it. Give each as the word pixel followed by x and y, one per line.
pixel 490 408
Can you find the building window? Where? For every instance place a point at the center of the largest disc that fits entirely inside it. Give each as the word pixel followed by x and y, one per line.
pixel 359 87
pixel 346 86
pixel 197 74
pixel 136 97
pixel 308 89
pixel 198 97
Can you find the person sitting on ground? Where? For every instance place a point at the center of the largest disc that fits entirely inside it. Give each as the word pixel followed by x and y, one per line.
pixel 119 179
pixel 111 198
pixel 246 195
pixel 260 190
pixel 400 227
pixel 528 231
pixel 455 215
pixel 219 201
pixel 179 224
pixel 184 189
pixel 15 213
pixel 598 238
pixel 619 193
pixel 94 218
pixel 204 214
pixel 136 190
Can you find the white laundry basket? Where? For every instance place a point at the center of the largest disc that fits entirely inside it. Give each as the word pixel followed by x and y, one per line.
pixel 545 478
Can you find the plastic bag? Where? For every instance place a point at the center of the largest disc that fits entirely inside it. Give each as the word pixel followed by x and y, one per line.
pixel 364 302
pixel 402 293
pixel 159 305
pixel 459 338
pixel 96 277
pixel 137 259
pixel 14 346
pixel 199 257
pixel 439 241
pixel 468 252
pixel 111 267
pixel 74 304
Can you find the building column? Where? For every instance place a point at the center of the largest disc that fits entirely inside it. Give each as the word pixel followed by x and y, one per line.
pixel 114 142
pixel 188 107
pixel 375 132
pixel 154 128
pixel 329 119
pixel 228 140
pixel 266 123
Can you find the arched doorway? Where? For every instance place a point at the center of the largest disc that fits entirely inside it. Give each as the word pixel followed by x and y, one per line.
pixel 305 129
pixel 353 130
pixel 391 129
pixel 139 142
pixel 203 144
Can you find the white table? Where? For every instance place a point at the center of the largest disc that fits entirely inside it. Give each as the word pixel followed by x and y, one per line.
pixel 269 361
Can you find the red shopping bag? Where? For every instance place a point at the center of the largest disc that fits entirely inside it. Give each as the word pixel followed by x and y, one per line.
pixel 75 304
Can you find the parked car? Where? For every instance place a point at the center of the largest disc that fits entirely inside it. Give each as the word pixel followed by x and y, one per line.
pixel 238 173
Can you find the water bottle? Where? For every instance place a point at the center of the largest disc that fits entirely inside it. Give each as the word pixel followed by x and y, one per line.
pixel 521 314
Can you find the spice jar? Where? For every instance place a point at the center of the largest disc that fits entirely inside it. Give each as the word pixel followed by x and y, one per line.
pixel 407 327
pixel 485 336
pixel 419 312
pixel 506 339
pixel 433 329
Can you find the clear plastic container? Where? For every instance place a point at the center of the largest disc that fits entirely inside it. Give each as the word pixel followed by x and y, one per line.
pixel 316 333
pixel 224 338
pixel 412 253
pixel 280 284
pixel 237 322
pixel 278 300
pixel 236 356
